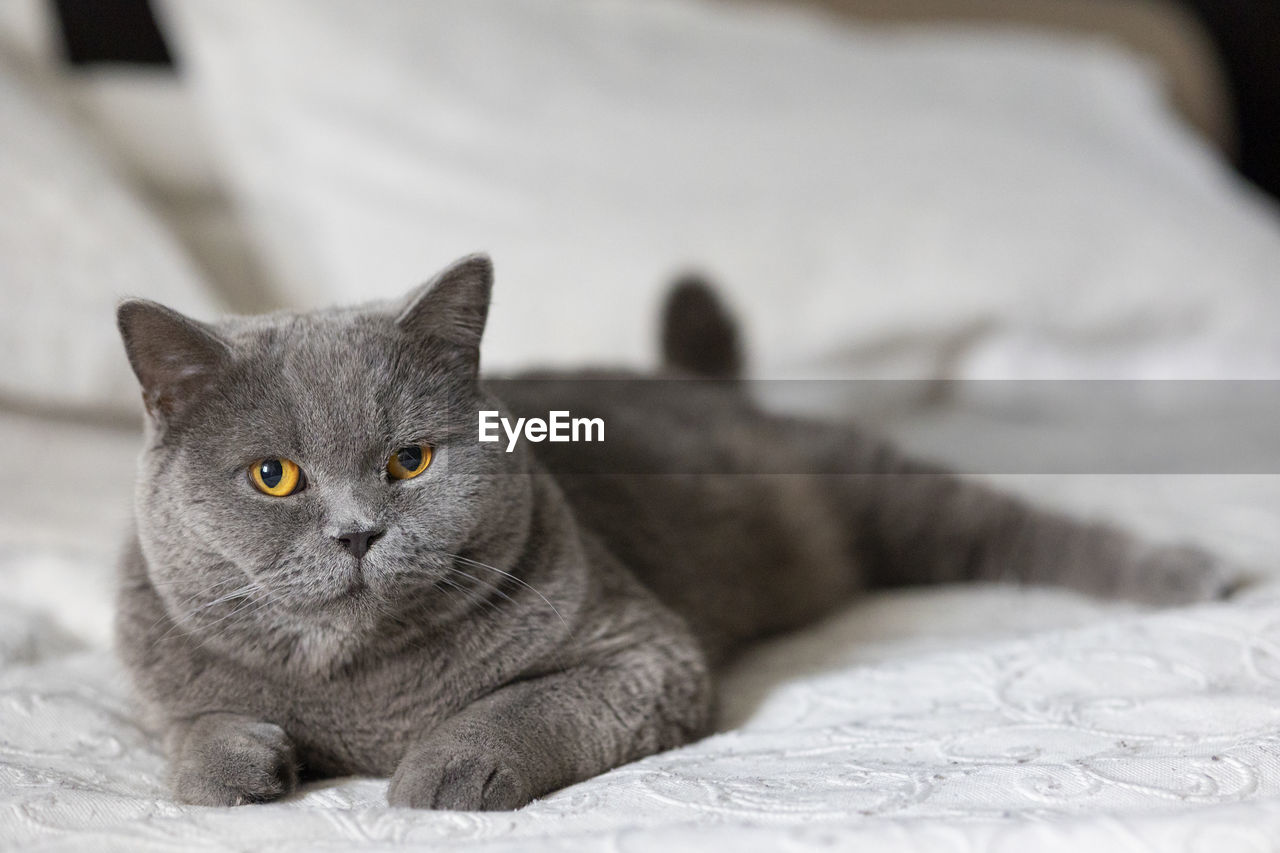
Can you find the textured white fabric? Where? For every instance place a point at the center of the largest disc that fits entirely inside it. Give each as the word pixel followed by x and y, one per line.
pixel 74 240
pixel 1128 732
pixel 1023 204
pixel 984 719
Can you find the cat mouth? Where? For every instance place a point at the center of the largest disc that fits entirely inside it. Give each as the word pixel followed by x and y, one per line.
pixel 353 594
pixel 355 585
pixel 355 589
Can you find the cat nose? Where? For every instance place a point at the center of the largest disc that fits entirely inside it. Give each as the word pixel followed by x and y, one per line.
pixel 358 542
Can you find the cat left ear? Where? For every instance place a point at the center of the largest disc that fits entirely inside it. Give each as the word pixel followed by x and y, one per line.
pixel 174 357
pixel 453 306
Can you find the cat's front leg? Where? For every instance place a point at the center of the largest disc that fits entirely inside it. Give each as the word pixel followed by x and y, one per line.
pixel 225 759
pixel 538 735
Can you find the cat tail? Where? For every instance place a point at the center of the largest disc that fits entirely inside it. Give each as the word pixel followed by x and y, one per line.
pixel 699 335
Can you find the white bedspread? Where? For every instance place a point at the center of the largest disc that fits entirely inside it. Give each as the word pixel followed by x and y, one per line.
pixel 962 719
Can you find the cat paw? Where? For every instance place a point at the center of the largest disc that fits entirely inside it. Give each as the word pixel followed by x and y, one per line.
pixel 459 777
pixel 224 764
pixel 1186 574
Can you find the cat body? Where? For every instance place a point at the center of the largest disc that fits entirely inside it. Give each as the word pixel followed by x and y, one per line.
pixel 501 625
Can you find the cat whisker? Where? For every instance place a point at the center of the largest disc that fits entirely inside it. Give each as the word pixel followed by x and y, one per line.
pixel 248 609
pixel 250 602
pixel 521 581
pixel 483 583
pixel 235 593
pixel 182 605
pixel 559 655
pixel 245 591
pixel 178 581
pixel 471 594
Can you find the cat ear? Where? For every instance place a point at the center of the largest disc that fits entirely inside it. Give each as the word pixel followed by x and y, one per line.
pixel 452 307
pixel 173 356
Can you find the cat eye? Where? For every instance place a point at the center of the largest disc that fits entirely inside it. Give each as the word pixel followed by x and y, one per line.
pixel 276 477
pixel 409 461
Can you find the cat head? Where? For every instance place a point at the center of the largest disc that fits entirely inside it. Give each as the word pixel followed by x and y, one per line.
pixel 322 467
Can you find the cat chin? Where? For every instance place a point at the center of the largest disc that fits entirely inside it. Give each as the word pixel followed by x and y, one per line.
pixel 346 608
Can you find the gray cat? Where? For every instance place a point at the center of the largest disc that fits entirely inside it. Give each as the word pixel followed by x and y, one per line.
pixel 332 575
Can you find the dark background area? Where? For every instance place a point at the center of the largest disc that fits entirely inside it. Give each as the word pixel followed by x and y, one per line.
pixel 1245 32
pixel 1247 35
pixel 120 31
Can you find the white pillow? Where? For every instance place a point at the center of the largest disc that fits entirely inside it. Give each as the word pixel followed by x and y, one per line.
pixel 73 241
pixel 1020 203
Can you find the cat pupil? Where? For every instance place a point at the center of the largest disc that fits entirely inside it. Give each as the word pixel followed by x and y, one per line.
pixel 271 472
pixel 409 458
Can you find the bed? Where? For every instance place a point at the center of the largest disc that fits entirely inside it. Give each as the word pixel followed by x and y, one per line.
pixel 947 208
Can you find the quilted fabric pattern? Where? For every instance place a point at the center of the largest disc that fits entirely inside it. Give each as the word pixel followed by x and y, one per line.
pixel 1162 727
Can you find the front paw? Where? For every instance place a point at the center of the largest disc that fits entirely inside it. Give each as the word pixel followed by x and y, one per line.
pixel 460 777
pixel 229 763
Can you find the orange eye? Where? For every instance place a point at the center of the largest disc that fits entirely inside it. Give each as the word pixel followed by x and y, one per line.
pixel 408 462
pixel 276 477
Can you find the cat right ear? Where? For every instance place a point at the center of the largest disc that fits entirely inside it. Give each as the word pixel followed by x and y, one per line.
pixel 174 357
pixel 452 308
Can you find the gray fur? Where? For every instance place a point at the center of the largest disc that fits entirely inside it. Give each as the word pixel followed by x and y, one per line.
pixel 698 335
pixel 513 631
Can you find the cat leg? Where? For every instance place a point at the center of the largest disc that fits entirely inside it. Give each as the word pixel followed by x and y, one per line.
pixel 225 759
pixel 920 524
pixel 915 523
pixel 537 735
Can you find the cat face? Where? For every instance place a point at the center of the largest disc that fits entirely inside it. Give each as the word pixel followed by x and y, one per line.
pixel 321 468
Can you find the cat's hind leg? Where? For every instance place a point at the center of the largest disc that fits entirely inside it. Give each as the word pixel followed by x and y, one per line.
pixel 916 523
